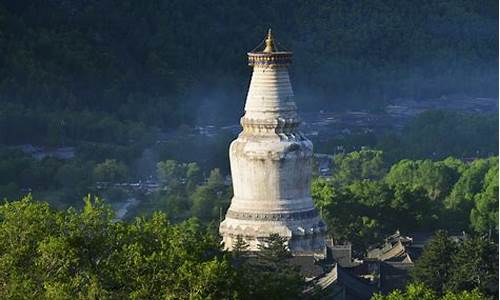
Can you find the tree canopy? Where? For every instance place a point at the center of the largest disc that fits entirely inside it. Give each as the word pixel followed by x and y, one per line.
pixel 448 265
pixel 49 254
pixel 155 63
pixel 421 292
pixel 411 196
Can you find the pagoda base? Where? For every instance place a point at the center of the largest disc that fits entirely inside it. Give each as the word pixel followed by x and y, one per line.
pixel 304 236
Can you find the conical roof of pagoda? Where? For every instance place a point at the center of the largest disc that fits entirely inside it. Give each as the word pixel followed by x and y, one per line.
pixel 269 54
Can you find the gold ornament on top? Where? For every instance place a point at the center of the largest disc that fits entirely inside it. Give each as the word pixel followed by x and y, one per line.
pixel 269 42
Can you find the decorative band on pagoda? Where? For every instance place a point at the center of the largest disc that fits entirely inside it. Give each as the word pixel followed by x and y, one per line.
pixel 293 216
pixel 274 58
pixel 271 122
pixel 270 126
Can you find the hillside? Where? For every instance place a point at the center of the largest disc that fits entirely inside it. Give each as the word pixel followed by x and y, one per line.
pixel 161 62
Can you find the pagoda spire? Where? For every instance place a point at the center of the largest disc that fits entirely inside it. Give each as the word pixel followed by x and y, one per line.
pixel 269 42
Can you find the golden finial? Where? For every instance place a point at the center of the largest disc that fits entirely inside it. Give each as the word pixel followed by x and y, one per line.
pixel 269 42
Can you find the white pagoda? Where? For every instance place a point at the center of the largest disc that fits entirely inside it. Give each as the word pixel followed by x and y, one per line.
pixel 271 163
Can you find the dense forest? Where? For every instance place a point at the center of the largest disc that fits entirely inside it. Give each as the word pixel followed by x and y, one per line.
pixel 166 63
pixel 122 85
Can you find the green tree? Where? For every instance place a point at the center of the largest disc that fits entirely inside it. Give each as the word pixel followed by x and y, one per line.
pixel 71 175
pixel 274 249
pixel 240 247
pixel 174 205
pixel 484 215
pixel 470 183
pixel 333 205
pixel 370 199
pixel 48 254
pixel 436 178
pixel 271 275
pixel 215 179
pixel 421 292
pixel 111 171
pixel 210 199
pixel 22 225
pixel 461 200
pixel 420 211
pixel 193 176
pixel 475 266
pixel 434 267
pixel 365 164
pixel 170 173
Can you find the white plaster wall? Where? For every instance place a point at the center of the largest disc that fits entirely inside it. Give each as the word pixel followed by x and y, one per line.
pixel 262 183
pixel 271 168
pixel 270 93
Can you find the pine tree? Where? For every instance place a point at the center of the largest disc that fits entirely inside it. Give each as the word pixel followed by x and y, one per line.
pixel 434 267
pixel 270 275
pixel 240 247
pixel 475 266
pixel 274 249
pixel 421 292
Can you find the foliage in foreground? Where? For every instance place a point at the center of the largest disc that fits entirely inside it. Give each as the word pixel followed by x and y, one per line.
pixel 453 265
pixel 48 254
pixel 421 292
pixel 278 279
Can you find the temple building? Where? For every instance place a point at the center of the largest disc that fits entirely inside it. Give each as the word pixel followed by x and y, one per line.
pixel 271 163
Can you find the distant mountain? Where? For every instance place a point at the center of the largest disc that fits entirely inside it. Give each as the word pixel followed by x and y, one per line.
pixel 156 62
